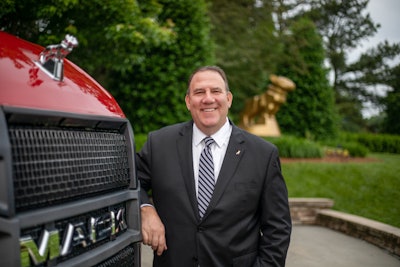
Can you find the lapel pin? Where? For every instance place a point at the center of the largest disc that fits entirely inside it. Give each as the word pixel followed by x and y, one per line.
pixel 238 152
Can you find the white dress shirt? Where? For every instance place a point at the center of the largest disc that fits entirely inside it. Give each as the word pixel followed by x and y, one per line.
pixel 218 148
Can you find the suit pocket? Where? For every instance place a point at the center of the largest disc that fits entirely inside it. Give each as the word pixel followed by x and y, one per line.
pixel 247 196
pixel 246 186
pixel 247 260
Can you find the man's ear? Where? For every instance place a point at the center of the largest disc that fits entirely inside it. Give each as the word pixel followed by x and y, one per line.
pixel 187 101
pixel 230 98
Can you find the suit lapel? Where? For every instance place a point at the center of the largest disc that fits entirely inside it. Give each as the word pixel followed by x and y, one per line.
pixel 185 154
pixel 234 153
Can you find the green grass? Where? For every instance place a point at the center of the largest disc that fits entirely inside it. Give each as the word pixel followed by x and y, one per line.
pixel 370 190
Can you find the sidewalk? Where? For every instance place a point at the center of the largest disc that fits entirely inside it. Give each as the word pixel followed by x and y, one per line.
pixel 315 246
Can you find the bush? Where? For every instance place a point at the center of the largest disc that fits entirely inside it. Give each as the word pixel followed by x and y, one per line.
pixel 380 143
pixel 140 139
pixel 356 149
pixel 292 147
pixel 345 148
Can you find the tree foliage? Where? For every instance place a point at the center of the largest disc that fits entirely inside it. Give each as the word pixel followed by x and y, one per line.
pixel 392 123
pixel 343 24
pixel 309 111
pixel 246 46
pixel 367 81
pixel 141 51
pixel 109 32
pixel 152 94
pixel 372 69
pixel 284 46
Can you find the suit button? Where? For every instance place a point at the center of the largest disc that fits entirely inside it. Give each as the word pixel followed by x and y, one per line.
pixel 200 229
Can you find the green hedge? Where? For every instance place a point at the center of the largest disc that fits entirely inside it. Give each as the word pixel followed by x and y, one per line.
pixel 355 149
pixel 357 145
pixel 346 148
pixel 379 143
pixel 293 147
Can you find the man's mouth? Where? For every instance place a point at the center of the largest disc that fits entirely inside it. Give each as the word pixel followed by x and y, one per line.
pixel 209 109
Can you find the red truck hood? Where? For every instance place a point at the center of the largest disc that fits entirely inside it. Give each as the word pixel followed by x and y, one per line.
pixel 24 84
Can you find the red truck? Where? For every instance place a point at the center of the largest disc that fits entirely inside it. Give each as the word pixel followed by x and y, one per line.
pixel 69 194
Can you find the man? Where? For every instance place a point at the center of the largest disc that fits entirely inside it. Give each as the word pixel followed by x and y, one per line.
pixel 247 220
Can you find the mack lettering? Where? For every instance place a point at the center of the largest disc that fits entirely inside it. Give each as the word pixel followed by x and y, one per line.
pixel 79 234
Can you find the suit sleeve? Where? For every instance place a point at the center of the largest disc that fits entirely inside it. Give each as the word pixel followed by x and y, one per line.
pixel 275 216
pixel 143 165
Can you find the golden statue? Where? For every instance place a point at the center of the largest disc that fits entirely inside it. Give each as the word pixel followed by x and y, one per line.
pixel 258 116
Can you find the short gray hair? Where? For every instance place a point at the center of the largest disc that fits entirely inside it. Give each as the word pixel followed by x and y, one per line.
pixel 209 68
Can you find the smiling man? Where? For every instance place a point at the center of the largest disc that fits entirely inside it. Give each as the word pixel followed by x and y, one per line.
pixel 219 197
pixel 208 99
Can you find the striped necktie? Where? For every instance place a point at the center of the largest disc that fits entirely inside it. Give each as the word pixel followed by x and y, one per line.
pixel 206 177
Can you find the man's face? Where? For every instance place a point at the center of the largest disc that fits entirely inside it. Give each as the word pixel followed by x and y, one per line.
pixel 208 101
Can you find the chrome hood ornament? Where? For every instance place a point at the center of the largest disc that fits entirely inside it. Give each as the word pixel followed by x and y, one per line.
pixel 51 59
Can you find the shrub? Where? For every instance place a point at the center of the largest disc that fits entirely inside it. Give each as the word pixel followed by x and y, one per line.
pixel 336 152
pixel 293 147
pixel 356 149
pixel 140 139
pixel 345 148
pixel 381 143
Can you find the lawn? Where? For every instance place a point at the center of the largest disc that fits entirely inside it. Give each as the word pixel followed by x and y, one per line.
pixel 369 189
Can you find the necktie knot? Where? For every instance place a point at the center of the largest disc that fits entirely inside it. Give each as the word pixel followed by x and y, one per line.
pixel 208 141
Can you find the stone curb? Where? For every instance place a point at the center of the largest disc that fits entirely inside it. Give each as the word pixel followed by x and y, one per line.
pixel 382 235
pixel 317 211
pixel 304 210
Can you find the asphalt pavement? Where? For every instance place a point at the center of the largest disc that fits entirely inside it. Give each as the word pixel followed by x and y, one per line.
pixel 315 246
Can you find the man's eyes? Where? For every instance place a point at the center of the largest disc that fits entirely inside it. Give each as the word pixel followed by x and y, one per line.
pixel 216 90
pixel 213 91
pixel 199 92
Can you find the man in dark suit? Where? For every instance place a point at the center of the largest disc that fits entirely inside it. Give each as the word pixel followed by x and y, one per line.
pixel 247 220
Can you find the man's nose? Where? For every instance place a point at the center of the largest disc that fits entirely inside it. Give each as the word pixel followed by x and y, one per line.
pixel 208 97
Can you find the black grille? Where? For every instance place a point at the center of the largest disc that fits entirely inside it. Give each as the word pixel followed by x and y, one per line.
pixel 53 166
pixel 124 258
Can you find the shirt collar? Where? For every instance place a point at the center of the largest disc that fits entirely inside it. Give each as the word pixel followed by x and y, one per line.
pixel 220 137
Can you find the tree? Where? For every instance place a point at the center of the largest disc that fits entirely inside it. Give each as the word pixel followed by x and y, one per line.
pixel 141 51
pixel 392 110
pixel 343 24
pixel 153 93
pixel 250 45
pixel 368 79
pixel 111 34
pixel 309 111
pixel 245 46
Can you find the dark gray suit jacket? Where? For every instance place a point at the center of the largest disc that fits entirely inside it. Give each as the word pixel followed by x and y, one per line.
pixel 248 220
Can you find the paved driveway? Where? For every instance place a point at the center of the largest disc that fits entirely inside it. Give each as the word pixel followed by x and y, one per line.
pixel 315 246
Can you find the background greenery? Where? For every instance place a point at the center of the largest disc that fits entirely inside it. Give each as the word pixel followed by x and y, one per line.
pixel 143 52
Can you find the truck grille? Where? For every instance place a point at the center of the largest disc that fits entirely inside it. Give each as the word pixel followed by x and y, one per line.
pixel 53 166
pixel 124 258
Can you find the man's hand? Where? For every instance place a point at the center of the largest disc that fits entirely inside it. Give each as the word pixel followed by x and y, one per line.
pixel 153 230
